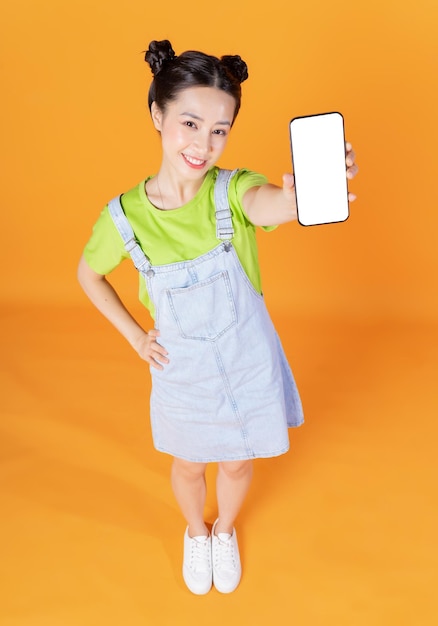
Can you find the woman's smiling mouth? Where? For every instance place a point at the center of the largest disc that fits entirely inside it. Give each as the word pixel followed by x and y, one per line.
pixel 193 162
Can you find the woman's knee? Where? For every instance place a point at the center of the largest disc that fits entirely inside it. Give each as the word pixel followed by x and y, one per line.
pixel 236 469
pixel 188 469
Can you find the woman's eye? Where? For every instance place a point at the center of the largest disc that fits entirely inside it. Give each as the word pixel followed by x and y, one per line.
pixel 219 131
pixel 190 124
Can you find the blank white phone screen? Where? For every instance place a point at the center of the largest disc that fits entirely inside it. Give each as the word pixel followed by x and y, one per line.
pixel 318 156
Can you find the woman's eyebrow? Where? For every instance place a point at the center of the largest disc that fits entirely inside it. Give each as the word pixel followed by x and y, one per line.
pixel 200 119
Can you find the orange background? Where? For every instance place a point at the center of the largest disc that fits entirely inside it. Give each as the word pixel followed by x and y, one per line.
pixel 90 530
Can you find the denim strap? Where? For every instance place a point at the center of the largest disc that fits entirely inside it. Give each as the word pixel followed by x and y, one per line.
pixel 122 224
pixel 224 225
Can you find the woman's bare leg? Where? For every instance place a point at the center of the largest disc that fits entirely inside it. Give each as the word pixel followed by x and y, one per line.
pixel 189 487
pixel 233 481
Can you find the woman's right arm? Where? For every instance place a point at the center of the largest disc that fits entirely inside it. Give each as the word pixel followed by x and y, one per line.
pixel 104 297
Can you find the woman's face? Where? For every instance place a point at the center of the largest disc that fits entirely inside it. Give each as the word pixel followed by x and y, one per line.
pixel 194 130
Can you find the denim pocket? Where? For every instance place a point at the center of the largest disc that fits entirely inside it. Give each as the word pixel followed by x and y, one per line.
pixel 205 310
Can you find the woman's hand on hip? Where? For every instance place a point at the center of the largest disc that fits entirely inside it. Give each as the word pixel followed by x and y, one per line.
pixel 150 350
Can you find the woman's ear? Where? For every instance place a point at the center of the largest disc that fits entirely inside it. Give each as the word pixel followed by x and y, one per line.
pixel 157 116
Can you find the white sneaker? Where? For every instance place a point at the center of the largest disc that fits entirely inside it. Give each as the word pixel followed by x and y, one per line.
pixel 197 570
pixel 226 561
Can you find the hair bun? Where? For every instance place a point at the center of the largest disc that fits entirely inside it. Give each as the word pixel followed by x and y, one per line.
pixel 158 53
pixel 235 66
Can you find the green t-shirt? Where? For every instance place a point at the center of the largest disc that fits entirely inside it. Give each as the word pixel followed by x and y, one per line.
pixel 175 235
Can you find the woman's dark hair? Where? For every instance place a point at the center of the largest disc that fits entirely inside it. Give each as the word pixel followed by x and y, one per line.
pixel 174 73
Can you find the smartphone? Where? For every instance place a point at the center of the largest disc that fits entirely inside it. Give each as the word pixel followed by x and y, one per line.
pixel 318 158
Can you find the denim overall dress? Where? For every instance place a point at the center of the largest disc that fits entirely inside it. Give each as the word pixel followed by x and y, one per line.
pixel 228 392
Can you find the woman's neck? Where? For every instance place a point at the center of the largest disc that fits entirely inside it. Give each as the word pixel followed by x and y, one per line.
pixel 167 193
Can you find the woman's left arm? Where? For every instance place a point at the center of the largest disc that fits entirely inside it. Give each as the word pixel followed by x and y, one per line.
pixel 269 205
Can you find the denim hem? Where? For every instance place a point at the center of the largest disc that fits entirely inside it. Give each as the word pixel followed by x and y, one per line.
pixel 222 458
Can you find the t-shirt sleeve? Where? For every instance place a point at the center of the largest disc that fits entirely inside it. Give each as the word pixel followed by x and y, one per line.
pixel 240 183
pixel 104 250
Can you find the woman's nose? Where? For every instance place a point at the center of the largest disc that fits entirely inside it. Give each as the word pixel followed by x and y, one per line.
pixel 203 142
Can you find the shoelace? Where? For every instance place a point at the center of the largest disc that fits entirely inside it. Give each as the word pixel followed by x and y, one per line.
pixel 200 556
pixel 225 555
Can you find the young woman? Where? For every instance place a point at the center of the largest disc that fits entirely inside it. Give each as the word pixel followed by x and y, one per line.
pixel 222 390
